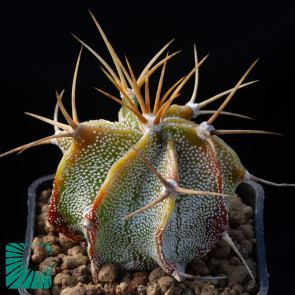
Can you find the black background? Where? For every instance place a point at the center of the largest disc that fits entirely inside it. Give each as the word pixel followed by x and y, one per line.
pixel 38 55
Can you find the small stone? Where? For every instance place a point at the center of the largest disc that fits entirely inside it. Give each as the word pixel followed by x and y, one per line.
pixel 174 290
pixel 121 288
pixel 213 265
pixel 77 290
pixel 222 282
pixel 253 241
pixel 94 290
pixel 237 234
pixel 220 250
pixel 51 240
pixel 239 213
pixel 110 288
pixel 139 278
pixel 251 287
pixel 209 290
pixel 197 290
pixel 55 250
pixel 61 256
pixel 156 274
pixel 66 243
pixel 41 222
pixel 81 274
pixel 238 288
pixel 64 280
pixel 51 231
pixel 243 252
pixel 51 263
pixel 141 290
pixel 252 266
pixel 247 245
pixel 247 230
pixel 39 251
pixel 165 283
pixel 235 274
pixel 44 196
pixel 76 250
pixel 199 266
pixel 39 207
pixel 108 273
pixel 126 278
pixel 187 292
pixel 234 261
pixel 44 208
pixel 153 289
pixel 212 281
pixel 199 283
pixel 70 262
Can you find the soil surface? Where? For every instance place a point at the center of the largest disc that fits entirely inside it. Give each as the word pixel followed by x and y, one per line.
pixel 71 273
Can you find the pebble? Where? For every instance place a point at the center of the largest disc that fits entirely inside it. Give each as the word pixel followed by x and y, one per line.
pixel 72 276
pixel 76 250
pixel 251 287
pixel 66 243
pixel 139 278
pixel 209 290
pixel 41 222
pixel 55 250
pixel 81 274
pixel 153 289
pixel 199 267
pixel 247 245
pixel 51 240
pixel 239 213
pixel 50 262
pixel 110 288
pixel 108 273
pixel 44 196
pixel 165 283
pixel 64 280
pixel 39 251
pixel 247 230
pixel 70 262
pixel 174 290
pixel 121 288
pixel 156 274
pixel 220 250
pixel 187 292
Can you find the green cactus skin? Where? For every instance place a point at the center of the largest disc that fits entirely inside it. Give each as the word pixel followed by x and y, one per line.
pixel 153 188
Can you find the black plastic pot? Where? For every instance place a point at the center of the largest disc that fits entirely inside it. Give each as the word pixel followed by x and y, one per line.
pixel 251 193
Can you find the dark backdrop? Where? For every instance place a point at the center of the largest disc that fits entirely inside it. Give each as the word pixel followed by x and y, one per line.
pixel 38 55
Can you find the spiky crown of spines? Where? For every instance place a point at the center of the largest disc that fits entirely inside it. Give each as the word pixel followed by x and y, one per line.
pixel 147 118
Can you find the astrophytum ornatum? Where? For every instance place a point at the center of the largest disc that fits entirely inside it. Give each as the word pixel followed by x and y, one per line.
pixel 152 188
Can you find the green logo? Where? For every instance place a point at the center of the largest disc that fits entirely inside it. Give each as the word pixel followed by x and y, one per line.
pixel 19 275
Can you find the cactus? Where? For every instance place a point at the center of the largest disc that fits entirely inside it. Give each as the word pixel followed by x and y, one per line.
pixel 153 188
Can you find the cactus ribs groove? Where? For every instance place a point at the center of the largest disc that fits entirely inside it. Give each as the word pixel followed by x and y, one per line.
pixel 152 188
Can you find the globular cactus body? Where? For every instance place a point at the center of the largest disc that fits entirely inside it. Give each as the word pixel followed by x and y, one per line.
pixel 152 189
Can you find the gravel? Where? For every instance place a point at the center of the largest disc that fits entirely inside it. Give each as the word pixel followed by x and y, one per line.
pixel 71 273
